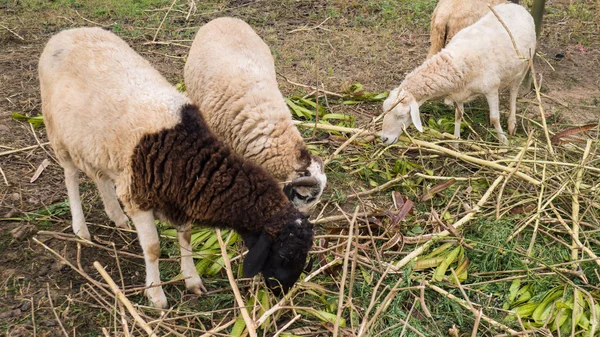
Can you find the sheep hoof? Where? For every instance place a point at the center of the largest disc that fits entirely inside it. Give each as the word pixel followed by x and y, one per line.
pixel 196 287
pixel 84 233
pixel 512 130
pixel 157 298
pixel 503 140
pixel 196 290
pixel 122 222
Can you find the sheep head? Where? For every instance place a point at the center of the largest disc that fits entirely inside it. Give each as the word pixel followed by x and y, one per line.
pixel 403 111
pixel 282 258
pixel 307 184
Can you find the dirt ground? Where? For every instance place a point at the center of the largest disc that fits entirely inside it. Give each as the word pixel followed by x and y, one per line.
pixel 331 43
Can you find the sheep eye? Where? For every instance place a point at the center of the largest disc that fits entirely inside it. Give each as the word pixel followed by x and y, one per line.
pixel 303 173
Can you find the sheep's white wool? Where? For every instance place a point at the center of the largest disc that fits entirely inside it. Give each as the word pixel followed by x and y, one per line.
pixel 230 75
pixel 75 62
pixel 479 60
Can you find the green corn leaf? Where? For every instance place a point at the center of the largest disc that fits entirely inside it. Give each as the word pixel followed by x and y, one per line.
pixel 439 250
pixel 526 310
pixel 561 317
pixel 541 313
pixel 203 265
pixel 324 316
pixel 171 233
pixel 578 305
pixel 298 110
pixel 440 271
pixel 240 325
pixel 336 116
pixel 428 263
pixel 514 289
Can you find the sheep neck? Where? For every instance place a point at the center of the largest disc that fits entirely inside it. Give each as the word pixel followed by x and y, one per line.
pixel 188 175
pixel 437 77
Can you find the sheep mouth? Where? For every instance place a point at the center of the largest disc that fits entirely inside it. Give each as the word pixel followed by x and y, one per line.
pixel 303 193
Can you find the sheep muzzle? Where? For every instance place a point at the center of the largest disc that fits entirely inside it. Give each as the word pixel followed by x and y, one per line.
pixel 305 182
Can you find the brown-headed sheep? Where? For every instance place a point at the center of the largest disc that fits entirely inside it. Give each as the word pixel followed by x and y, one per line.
pixel 111 114
pixel 230 75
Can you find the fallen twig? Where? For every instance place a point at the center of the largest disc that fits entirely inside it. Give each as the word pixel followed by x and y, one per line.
pixel 250 325
pixel 113 286
pixel 336 326
pixel 12 32
pixel 163 20
pixel 23 149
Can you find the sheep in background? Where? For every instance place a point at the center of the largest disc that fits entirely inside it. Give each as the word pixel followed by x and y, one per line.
pixel 479 60
pixel 230 75
pixel 109 113
pixel 450 16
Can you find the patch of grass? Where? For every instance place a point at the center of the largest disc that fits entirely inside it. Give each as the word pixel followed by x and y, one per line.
pixel 44 217
pixel 100 8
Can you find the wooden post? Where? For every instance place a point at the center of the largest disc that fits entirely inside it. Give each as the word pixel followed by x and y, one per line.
pixel 538 13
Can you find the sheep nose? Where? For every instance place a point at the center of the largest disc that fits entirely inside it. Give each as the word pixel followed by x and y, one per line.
pixel 384 139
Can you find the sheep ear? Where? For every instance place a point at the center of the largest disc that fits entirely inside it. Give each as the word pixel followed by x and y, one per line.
pixel 415 115
pixel 257 256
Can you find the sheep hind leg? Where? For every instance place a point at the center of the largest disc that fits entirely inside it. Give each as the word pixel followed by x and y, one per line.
pixel 111 203
pixel 493 102
pixel 148 237
pixel 72 182
pixel 512 119
pixel 193 282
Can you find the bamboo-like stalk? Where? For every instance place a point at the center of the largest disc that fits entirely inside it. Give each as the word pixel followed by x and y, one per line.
pixel 5 153
pixel 429 145
pixel 539 211
pixel 519 161
pixel 575 238
pixel 340 308
pixel 415 253
pixel 541 107
pixel 465 305
pixel 575 204
pixel 250 325
pixel 113 286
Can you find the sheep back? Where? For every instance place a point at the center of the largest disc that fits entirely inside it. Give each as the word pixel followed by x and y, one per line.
pixel 485 51
pixel 99 98
pixel 230 75
pixel 451 16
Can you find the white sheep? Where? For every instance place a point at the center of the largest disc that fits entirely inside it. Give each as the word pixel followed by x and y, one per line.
pixel 109 113
pixel 451 16
pixel 230 75
pixel 479 60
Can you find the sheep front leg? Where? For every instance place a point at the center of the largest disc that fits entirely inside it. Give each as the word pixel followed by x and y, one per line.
pixel 458 114
pixel 493 102
pixel 72 182
pixel 111 203
pixel 193 282
pixel 148 236
pixel 512 119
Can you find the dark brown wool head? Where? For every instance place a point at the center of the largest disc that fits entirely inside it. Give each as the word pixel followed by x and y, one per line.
pixel 280 257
